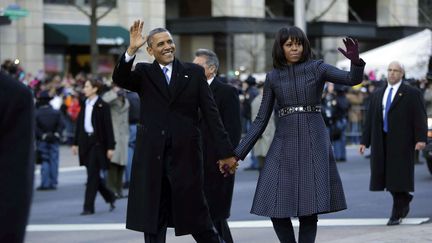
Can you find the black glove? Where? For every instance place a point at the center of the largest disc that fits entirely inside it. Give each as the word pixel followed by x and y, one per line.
pixel 352 51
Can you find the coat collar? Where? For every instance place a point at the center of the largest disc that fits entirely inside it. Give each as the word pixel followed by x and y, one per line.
pixel 399 95
pixel 177 83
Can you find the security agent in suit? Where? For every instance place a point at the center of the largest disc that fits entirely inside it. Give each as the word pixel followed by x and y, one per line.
pixel 218 190
pixel 94 137
pixel 396 126
pixel 166 187
pixel 16 157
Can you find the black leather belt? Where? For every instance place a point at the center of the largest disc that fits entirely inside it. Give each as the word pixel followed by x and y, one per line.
pixel 297 109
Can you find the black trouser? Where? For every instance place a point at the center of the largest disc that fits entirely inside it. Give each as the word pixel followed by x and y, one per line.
pixel 165 216
pixel 94 181
pixel 285 231
pixel 401 201
pixel 222 228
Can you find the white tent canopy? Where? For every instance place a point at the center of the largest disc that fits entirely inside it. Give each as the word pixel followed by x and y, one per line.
pixel 412 51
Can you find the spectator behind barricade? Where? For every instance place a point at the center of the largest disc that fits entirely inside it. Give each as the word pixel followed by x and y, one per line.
pixel 263 143
pixel 428 94
pixel 134 112
pixel 119 105
pixel 334 110
pixel 250 92
pixel 355 97
pixel 49 126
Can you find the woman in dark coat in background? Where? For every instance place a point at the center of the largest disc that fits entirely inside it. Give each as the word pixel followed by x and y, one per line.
pixel 299 178
pixel 94 137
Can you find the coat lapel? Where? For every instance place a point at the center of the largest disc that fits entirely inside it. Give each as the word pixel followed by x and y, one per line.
pixel 158 79
pixel 398 97
pixel 179 79
pixel 380 98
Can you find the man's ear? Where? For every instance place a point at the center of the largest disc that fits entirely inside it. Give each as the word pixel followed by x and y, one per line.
pixel 150 50
pixel 212 69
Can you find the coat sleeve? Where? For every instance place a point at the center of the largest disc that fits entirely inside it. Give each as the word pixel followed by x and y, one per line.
pixel 212 118
pixel 335 75
pixel 124 77
pixel 260 122
pixel 367 124
pixel 420 118
pixel 108 127
pixel 230 115
pixel 79 125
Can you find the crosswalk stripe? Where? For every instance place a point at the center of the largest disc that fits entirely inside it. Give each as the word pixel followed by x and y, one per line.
pixel 232 224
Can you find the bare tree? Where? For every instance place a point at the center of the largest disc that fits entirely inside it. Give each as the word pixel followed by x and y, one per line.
pixel 94 18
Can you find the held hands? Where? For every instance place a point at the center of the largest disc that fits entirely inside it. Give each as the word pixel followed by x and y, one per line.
pixel 352 51
pixel 136 38
pixel 420 146
pixel 74 150
pixel 362 149
pixel 110 154
pixel 228 166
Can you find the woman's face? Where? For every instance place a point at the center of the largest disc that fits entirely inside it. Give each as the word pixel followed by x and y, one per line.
pixel 293 51
pixel 89 90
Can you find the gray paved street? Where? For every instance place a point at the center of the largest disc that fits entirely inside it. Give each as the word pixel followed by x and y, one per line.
pixel 55 214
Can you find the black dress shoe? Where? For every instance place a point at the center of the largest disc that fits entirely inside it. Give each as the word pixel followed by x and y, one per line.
pixel 112 206
pixel 87 212
pixel 406 209
pixel 394 221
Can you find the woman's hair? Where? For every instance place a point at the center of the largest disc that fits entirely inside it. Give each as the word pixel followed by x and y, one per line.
pixel 296 34
pixel 96 83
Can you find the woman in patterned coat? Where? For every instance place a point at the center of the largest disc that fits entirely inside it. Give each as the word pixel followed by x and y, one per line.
pixel 299 178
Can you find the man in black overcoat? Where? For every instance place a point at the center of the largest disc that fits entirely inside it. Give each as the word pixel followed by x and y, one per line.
pixel 217 188
pixel 166 187
pixel 16 157
pixel 395 126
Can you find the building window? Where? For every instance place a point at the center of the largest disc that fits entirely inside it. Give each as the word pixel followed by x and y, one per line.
pixel 57 1
pixel 80 2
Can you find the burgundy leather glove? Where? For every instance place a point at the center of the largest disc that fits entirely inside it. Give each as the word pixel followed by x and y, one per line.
pixel 352 51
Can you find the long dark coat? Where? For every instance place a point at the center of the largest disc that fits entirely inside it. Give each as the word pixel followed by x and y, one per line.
pixel 217 188
pixel 299 177
pixel 16 157
pixel 103 129
pixel 407 121
pixel 170 112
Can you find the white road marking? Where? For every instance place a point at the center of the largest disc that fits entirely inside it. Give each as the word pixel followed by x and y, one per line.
pixel 232 224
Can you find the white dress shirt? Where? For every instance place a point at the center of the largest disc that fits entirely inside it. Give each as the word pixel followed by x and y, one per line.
pixel 394 91
pixel 209 81
pixel 169 66
pixel 88 126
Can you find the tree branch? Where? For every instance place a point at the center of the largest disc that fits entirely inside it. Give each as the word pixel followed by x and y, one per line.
pixel 110 8
pixel 324 12
pixel 81 9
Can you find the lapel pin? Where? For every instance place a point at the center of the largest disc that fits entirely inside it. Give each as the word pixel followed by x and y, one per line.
pixel 186 76
pixel 400 94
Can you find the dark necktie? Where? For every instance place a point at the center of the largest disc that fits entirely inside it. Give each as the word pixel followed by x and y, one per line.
pixel 165 71
pixel 387 108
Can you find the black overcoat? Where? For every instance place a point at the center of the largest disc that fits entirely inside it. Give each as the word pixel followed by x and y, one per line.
pixel 392 166
pixel 103 130
pixel 217 188
pixel 170 112
pixel 16 157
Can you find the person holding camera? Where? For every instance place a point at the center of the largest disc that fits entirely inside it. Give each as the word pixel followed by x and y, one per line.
pixel 49 126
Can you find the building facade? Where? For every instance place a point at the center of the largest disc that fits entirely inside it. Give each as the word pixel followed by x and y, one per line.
pixel 55 35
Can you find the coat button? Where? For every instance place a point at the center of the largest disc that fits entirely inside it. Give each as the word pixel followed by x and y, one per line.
pixel 158 157
pixel 163 132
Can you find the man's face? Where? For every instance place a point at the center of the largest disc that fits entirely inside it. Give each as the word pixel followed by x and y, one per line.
pixel 162 48
pixel 394 73
pixel 202 61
